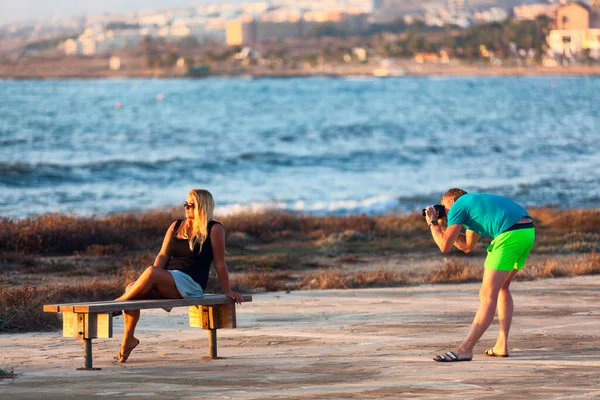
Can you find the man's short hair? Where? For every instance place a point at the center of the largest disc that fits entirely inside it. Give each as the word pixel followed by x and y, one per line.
pixel 453 194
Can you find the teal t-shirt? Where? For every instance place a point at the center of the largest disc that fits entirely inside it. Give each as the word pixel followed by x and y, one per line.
pixel 485 214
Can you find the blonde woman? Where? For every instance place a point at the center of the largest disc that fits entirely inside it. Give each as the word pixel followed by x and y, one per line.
pixel 182 266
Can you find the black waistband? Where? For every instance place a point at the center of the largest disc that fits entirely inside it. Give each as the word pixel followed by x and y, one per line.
pixel 520 226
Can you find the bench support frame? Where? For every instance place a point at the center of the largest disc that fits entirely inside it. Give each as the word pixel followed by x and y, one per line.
pixel 87 321
pixel 211 318
pixel 88 326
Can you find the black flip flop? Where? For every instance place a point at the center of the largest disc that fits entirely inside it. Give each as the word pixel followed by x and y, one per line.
pixel 449 357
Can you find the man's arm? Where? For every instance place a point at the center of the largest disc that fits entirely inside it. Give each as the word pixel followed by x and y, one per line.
pixel 445 240
pixel 467 241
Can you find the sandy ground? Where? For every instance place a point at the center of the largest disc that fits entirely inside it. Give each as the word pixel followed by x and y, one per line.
pixel 370 343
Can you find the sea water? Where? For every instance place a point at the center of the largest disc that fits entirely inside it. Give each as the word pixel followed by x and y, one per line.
pixel 314 145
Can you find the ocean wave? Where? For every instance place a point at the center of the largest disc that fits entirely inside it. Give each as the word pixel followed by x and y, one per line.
pixel 343 160
pixel 371 206
pixel 22 174
pixel 25 174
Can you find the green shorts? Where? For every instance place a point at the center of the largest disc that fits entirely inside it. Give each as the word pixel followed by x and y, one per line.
pixel 509 250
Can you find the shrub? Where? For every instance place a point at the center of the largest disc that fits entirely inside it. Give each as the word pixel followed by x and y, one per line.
pixel 21 308
pixel 456 271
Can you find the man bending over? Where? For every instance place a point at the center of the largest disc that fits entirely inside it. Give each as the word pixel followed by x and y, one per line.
pixel 470 216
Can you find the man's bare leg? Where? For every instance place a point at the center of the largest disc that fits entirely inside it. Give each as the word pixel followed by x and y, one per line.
pixel 493 281
pixel 505 313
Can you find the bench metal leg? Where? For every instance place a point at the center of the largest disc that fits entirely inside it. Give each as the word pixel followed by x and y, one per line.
pixel 212 343
pixel 87 356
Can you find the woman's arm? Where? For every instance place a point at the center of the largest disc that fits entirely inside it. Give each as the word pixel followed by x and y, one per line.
pixel 163 257
pixel 217 239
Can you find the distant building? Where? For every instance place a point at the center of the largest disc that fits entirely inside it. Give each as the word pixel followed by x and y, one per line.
pixel 90 42
pixel 277 26
pixel 532 11
pixel 573 16
pixel 244 31
pixel 154 20
pixel 71 47
pixel 457 4
pixel 494 14
pixel 578 31
pixel 276 30
pixel 114 64
pixel 240 31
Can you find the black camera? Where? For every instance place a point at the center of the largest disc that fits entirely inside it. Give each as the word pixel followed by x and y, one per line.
pixel 439 209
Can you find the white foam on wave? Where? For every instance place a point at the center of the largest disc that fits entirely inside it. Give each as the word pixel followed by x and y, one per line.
pixel 370 206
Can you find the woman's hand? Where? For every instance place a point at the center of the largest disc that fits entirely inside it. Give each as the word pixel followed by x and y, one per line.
pixel 235 297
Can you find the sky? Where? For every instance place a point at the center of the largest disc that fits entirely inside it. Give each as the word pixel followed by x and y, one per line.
pixel 18 10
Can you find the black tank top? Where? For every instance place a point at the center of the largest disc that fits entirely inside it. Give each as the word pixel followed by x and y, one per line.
pixel 195 264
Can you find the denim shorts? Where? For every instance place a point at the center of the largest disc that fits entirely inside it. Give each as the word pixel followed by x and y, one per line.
pixel 187 287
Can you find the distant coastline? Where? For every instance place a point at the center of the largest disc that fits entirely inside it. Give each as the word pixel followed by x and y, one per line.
pixel 93 69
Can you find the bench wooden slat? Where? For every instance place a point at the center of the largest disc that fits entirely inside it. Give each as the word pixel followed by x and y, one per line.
pixel 109 306
pixel 70 307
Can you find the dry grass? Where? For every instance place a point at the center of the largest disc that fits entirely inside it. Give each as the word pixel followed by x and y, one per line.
pixel 102 250
pixel 551 268
pixel 115 234
pixel 456 270
pixel 348 280
pixel 551 219
pixel 61 234
pixel 21 307
pixel 260 281
pixel 274 252
pixel 591 266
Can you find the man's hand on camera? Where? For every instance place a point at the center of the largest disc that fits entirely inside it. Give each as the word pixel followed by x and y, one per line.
pixel 431 214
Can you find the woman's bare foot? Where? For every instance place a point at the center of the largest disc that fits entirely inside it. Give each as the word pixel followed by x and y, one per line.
pixel 126 349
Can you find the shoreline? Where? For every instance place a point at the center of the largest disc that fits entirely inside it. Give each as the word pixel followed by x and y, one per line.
pixel 32 72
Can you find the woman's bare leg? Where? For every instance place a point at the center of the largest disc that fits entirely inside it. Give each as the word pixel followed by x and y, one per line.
pixel 130 318
pixel 152 278
pixel 153 283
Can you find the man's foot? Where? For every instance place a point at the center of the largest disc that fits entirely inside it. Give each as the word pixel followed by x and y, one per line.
pixel 124 354
pixel 491 353
pixel 450 357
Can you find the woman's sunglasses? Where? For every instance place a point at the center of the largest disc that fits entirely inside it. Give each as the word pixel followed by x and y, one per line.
pixel 187 205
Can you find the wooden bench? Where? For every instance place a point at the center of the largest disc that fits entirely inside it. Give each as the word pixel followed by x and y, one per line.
pixel 92 320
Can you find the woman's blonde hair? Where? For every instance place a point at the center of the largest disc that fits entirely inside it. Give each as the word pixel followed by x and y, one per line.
pixel 204 205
